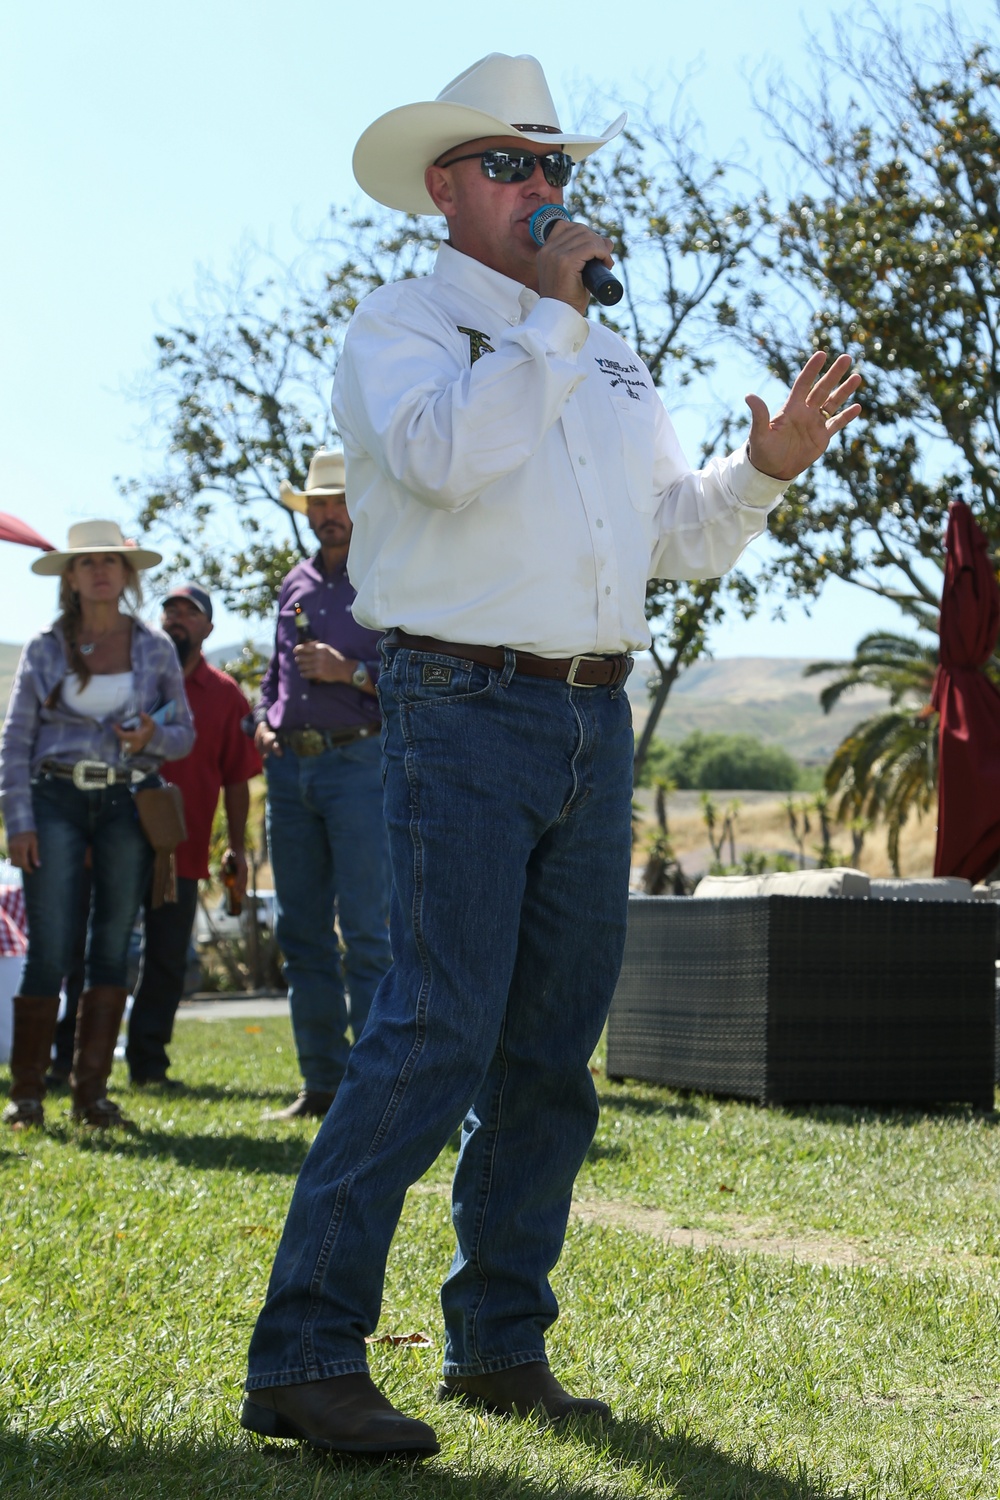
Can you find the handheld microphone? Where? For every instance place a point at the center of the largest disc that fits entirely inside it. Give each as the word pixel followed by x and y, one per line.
pixel 596 277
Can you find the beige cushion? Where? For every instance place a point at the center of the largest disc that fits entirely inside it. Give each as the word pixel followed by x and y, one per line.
pixel 941 888
pixel 837 882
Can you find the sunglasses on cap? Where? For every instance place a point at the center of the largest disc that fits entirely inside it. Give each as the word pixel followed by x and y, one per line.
pixel 518 166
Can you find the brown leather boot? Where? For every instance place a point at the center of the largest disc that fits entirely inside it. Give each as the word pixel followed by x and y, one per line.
pixel 31 1048
pixel 97 1022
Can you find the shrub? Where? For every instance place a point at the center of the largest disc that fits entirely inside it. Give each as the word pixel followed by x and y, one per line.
pixel 721 762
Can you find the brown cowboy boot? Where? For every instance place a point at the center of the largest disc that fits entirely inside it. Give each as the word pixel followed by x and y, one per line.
pixel 31 1047
pixel 97 1023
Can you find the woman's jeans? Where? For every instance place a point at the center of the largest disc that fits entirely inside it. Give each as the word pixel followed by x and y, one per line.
pixel 67 821
pixel 508 806
pixel 328 849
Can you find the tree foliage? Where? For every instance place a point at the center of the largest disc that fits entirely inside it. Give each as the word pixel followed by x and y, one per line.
pixel 721 762
pixel 891 252
pixel 886 768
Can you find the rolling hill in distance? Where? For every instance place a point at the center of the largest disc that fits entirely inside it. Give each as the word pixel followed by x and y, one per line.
pixel 765 696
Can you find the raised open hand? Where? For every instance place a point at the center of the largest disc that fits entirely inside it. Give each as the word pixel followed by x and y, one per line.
pixel 788 442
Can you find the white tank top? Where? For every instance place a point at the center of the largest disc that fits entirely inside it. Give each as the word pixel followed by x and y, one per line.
pixel 102 697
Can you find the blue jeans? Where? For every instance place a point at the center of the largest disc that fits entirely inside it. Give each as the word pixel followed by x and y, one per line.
pixel 329 854
pixel 508 805
pixel 67 820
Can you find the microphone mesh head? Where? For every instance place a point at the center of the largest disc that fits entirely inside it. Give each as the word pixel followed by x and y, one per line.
pixel 542 219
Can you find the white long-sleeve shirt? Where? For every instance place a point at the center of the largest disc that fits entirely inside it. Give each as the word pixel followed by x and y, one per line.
pixel 512 474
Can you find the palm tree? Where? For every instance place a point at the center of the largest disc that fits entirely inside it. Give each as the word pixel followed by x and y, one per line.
pixel 886 767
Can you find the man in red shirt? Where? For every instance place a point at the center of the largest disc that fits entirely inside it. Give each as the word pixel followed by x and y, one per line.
pixel 223 759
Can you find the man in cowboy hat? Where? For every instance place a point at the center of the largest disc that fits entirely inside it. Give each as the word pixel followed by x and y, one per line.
pixel 317 732
pixel 514 480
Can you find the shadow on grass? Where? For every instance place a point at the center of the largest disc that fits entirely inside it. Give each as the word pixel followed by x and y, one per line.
pixel 77 1465
pixel 683 1105
pixel 205 1153
pixel 906 1117
pixel 690 1468
pixel 622 1101
pixel 207 1093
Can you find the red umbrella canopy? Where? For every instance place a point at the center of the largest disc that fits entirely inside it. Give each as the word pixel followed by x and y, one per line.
pixel 968 834
pixel 13 530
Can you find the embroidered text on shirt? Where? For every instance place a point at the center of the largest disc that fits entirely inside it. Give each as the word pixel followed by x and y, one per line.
pixel 478 342
pixel 627 375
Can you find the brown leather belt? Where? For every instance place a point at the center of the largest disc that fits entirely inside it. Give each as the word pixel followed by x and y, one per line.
pixel 315 741
pixel 578 671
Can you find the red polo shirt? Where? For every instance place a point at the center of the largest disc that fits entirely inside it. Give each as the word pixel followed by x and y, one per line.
pixel 222 756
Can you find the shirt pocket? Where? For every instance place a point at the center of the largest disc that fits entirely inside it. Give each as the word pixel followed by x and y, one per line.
pixel 634 421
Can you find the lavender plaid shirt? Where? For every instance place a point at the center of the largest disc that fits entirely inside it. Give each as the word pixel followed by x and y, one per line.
pixel 33 733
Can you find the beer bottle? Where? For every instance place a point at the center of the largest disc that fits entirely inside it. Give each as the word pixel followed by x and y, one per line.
pixel 229 873
pixel 303 630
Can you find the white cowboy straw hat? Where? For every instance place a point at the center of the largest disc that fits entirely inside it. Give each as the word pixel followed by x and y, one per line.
pixel 94 536
pixel 499 95
pixel 326 477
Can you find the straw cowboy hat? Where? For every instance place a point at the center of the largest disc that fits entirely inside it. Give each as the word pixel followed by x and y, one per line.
pixel 94 536
pixel 499 95
pixel 325 477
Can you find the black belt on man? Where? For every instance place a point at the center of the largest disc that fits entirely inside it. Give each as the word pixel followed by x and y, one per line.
pixel 578 671
pixel 315 741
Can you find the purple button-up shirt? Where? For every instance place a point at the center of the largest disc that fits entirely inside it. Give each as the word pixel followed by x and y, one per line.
pixel 291 701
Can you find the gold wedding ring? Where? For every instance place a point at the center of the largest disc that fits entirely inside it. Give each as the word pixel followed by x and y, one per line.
pixel 827 414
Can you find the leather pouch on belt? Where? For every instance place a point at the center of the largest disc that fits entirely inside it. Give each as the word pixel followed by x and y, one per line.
pixel 161 818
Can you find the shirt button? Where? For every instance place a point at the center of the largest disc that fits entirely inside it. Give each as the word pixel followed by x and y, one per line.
pixel 305 695
pixel 607 588
pixel 322 611
pixel 600 525
pixel 582 460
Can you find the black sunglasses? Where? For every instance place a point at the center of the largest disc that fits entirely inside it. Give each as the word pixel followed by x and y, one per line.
pixel 518 166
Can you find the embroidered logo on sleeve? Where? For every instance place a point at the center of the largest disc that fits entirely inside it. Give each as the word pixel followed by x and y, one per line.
pixel 478 342
pixel 629 376
pixel 432 674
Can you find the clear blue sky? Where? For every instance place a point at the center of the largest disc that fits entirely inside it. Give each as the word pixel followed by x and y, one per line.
pixel 138 142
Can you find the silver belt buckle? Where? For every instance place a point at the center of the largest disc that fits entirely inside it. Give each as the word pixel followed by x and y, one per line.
pixel 571 674
pixel 91 775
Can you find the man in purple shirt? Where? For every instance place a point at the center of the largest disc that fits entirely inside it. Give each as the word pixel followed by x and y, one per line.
pixel 317 732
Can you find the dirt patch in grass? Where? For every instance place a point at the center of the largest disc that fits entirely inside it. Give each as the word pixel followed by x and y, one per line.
pixel 746 1239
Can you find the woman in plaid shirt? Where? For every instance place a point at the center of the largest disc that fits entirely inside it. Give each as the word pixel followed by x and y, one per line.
pixel 97 704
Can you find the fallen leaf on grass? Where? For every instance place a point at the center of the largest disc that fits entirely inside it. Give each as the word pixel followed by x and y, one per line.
pixel 724 1189
pixel 418 1340
pixel 246 1229
pixel 253 1030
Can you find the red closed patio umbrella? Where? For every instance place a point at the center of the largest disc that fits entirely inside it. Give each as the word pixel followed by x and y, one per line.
pixel 13 530
pixel 968 832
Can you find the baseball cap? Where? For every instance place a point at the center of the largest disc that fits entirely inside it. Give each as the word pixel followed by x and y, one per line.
pixel 199 597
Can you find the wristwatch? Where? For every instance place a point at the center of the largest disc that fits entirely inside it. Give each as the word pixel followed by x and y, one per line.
pixel 359 676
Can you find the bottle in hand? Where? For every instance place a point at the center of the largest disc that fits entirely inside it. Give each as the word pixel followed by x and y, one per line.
pixel 303 630
pixel 230 871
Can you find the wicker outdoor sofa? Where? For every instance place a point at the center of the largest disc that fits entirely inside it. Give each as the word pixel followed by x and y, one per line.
pixel 853 996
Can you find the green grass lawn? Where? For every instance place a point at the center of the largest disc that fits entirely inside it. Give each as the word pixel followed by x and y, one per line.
pixel 777 1303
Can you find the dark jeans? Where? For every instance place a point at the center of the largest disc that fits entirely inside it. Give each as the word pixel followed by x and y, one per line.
pixel 67 820
pixel 62 1058
pixel 329 854
pixel 167 936
pixel 508 802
